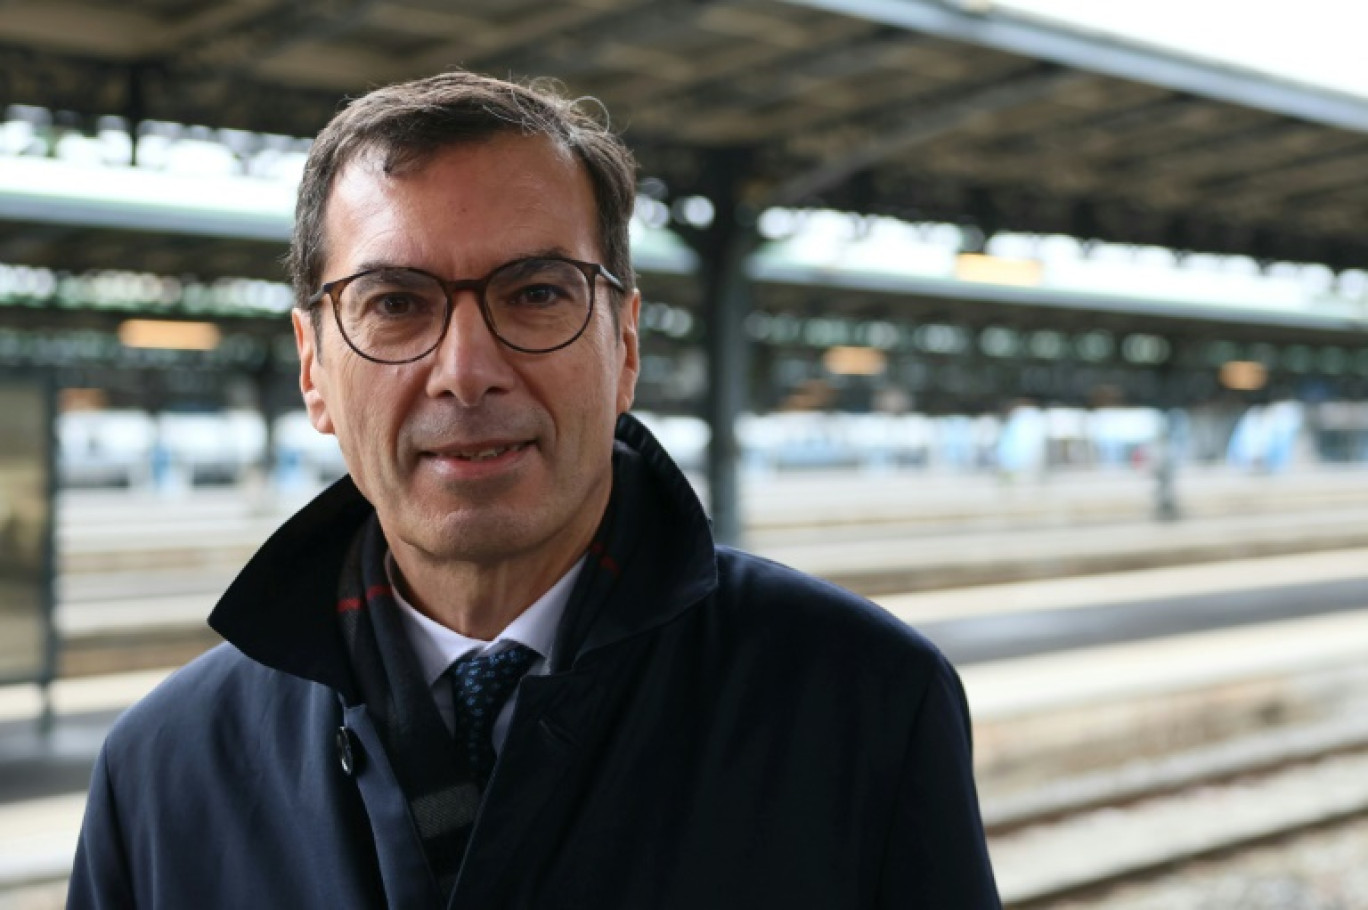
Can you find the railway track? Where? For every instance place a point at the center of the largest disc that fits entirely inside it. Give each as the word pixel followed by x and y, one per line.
pixel 1081 839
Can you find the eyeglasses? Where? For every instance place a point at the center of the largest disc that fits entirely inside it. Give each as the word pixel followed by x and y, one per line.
pixel 394 314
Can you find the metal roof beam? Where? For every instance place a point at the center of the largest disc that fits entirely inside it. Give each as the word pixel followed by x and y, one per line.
pixel 577 42
pixel 269 32
pixel 788 75
pixel 1180 153
pixel 975 105
pixel 1109 57
pixel 1301 164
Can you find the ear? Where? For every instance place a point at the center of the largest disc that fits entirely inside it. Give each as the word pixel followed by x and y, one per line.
pixel 631 354
pixel 311 372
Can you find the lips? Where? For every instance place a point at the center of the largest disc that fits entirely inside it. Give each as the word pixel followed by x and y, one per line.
pixel 486 454
pixel 478 452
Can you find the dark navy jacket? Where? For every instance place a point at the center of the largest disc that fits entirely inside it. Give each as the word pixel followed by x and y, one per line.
pixel 733 734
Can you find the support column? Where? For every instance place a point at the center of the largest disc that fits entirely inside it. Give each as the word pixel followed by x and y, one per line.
pixel 136 108
pixel 264 400
pixel 723 249
pixel 1172 439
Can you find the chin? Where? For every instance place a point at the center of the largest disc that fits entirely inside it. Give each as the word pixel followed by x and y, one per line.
pixel 476 534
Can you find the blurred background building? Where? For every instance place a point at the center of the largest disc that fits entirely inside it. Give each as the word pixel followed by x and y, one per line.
pixel 1043 322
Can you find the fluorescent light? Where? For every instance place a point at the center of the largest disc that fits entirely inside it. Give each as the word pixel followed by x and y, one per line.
pixel 76 399
pixel 997 270
pixel 161 333
pixel 855 361
pixel 1244 375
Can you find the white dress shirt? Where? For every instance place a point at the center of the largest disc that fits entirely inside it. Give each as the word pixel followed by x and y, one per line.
pixel 438 647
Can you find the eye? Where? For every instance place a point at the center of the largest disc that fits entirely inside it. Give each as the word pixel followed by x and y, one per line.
pixel 395 304
pixel 535 296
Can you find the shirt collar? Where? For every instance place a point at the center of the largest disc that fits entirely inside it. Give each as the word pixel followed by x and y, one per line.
pixel 437 647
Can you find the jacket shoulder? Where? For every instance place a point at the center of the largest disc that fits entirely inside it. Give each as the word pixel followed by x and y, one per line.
pixel 806 615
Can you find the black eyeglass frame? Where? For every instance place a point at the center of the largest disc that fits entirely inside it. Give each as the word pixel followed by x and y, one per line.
pixel 591 270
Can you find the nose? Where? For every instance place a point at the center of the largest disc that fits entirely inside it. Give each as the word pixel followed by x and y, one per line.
pixel 469 363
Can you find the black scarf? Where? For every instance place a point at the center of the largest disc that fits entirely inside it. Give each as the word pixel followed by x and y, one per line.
pixel 442 797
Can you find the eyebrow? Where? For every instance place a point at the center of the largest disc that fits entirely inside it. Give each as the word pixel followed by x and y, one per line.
pixel 550 252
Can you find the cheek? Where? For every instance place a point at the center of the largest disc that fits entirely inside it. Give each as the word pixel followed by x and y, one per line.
pixel 599 385
pixel 372 399
pixel 579 401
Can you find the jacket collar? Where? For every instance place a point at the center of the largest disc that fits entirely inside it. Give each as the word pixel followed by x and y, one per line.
pixel 281 609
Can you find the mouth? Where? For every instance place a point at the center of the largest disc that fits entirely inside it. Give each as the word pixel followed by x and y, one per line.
pixel 481 452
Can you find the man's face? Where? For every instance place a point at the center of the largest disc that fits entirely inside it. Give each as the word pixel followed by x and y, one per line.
pixel 417 437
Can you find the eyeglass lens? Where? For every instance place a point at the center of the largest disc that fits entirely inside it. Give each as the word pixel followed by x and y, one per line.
pixel 398 314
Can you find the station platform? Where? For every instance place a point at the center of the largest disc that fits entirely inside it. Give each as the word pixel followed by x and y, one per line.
pixel 955 560
pixel 779 507
pixel 923 534
pixel 783 513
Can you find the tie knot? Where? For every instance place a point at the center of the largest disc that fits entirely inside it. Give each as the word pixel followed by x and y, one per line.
pixel 481 677
pixel 480 686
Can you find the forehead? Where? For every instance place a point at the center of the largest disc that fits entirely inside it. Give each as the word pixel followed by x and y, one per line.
pixel 462 208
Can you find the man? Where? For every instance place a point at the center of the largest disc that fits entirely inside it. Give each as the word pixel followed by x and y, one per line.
pixel 503 663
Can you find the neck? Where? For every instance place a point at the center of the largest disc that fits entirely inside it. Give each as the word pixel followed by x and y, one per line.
pixel 477 601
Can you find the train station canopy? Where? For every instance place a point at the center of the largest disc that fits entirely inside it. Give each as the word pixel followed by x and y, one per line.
pixel 960 111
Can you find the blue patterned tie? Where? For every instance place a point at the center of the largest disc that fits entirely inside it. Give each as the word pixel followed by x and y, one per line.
pixel 480 686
